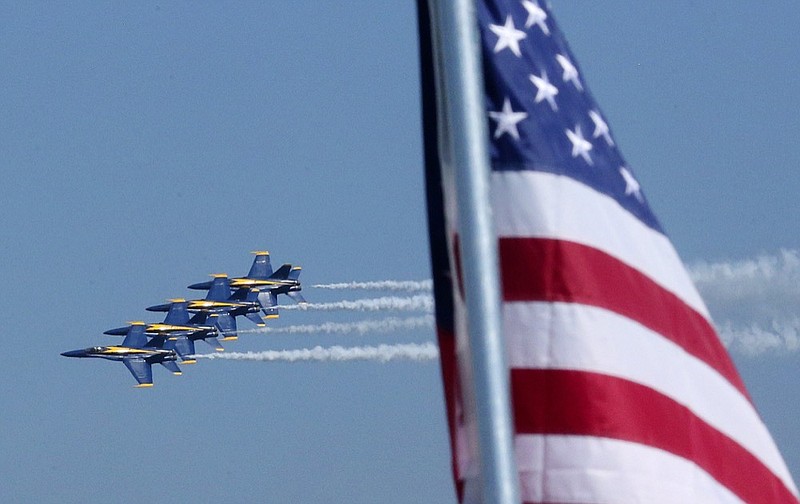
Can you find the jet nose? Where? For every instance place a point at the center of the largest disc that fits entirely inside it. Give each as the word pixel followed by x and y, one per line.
pixel 119 331
pixel 73 353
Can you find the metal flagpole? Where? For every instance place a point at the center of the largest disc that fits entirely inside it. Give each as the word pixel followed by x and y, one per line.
pixel 454 28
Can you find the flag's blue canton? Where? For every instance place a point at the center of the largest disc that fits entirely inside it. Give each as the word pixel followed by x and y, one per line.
pixel 540 112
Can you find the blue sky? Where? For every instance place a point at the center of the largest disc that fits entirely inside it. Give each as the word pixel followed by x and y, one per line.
pixel 147 145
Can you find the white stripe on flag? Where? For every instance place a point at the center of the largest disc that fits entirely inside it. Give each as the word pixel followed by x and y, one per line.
pixel 595 470
pixel 564 209
pixel 578 337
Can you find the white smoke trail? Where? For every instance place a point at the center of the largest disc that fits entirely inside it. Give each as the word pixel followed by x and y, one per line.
pixel 391 285
pixel 751 273
pixel 381 353
pixel 419 302
pixel 361 327
pixel 754 301
pixel 755 340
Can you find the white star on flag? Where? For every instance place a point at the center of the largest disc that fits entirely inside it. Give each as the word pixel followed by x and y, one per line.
pixel 507 120
pixel 580 146
pixel 544 90
pixel 570 72
pixel 536 16
pixel 631 184
pixel 600 127
pixel 508 36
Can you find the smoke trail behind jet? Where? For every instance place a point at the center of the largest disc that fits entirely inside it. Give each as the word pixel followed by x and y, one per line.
pixel 419 302
pixel 381 353
pixel 361 327
pixel 778 337
pixel 390 285
pixel 754 302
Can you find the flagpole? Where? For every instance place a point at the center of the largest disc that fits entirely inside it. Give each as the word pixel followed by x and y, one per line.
pixel 454 28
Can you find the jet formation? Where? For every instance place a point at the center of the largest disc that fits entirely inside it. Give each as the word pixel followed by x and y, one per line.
pixel 212 319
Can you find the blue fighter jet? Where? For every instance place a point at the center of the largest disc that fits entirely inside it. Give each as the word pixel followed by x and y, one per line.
pixel 221 308
pixel 180 330
pixel 136 353
pixel 283 281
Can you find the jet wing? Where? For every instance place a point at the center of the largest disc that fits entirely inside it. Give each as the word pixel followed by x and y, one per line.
pixel 214 342
pixel 140 369
pixel 269 304
pixel 226 325
pixel 172 366
pixel 297 297
pixel 256 319
pixel 184 346
pixel 178 314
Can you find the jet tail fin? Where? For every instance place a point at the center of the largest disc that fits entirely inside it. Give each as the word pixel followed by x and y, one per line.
pixel 135 337
pixel 282 273
pixel 159 341
pixel 239 295
pixel 251 295
pixel 261 268
pixel 294 273
pixel 178 313
pixel 220 289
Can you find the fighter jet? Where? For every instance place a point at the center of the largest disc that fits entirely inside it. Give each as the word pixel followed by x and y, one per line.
pixel 283 281
pixel 179 329
pixel 136 353
pixel 220 308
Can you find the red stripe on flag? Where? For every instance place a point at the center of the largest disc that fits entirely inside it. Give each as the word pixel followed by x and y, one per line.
pixel 565 402
pixel 450 379
pixel 537 269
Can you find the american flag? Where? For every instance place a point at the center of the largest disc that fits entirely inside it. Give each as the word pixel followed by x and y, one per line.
pixel 621 389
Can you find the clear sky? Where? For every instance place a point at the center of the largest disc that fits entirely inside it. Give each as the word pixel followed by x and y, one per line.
pixel 145 145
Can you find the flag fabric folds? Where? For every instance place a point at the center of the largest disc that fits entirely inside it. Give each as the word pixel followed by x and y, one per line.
pixel 621 389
